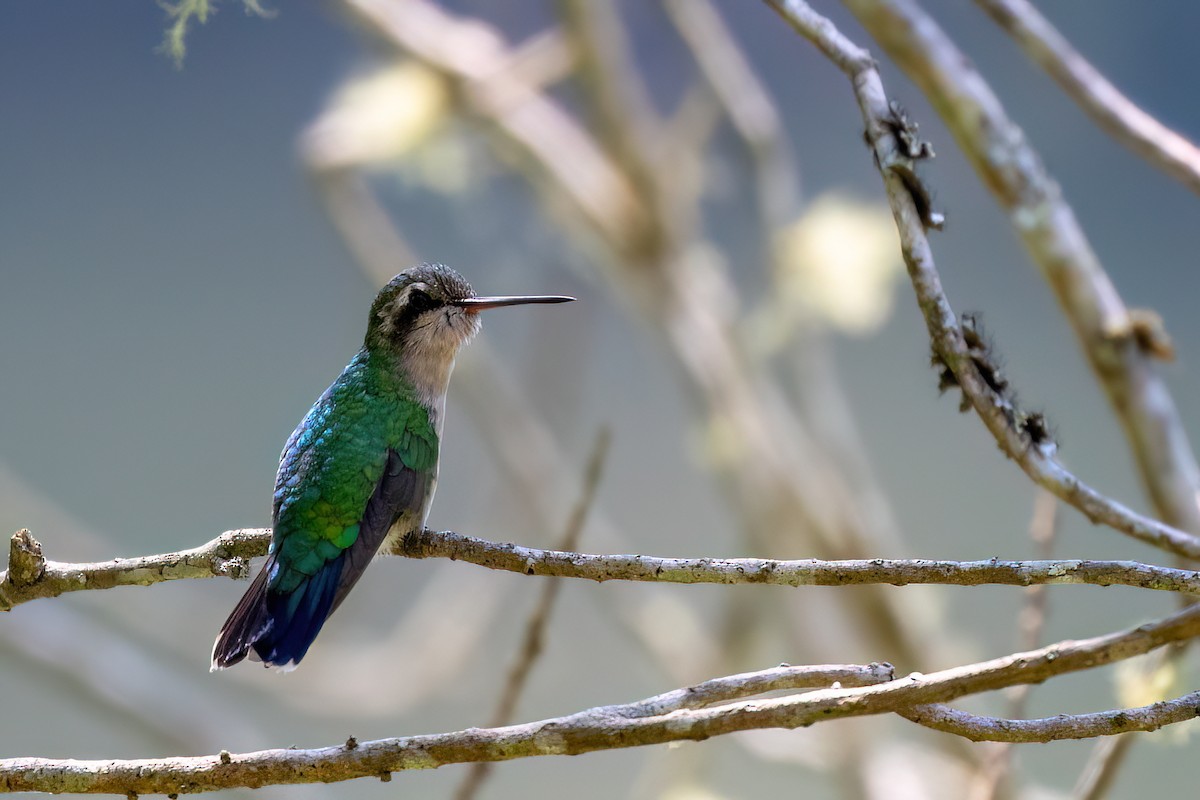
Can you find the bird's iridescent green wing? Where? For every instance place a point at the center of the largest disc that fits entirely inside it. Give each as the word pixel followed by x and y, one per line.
pixel 358 461
pixel 401 493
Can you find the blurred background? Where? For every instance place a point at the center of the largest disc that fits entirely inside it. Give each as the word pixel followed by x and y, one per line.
pixel 187 257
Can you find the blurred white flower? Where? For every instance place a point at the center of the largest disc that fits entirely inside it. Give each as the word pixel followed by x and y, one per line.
pixel 378 118
pixel 837 265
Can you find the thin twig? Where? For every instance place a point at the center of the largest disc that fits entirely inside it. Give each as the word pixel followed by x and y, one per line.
pixel 535 626
pixel 604 728
pixel 1115 113
pixel 1043 529
pixel 1099 774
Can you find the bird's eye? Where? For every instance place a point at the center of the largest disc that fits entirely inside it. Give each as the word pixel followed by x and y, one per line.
pixel 420 301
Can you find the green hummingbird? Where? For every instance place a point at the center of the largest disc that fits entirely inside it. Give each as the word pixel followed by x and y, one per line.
pixel 361 466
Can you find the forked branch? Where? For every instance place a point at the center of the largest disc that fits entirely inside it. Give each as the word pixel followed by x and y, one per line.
pixel 710 709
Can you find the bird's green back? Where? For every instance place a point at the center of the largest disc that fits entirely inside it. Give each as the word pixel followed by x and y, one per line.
pixel 335 459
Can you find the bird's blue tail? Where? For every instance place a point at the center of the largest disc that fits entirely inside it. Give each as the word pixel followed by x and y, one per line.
pixel 278 627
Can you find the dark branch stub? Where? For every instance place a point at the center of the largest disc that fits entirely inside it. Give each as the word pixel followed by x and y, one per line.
pixel 1035 426
pixel 26 566
pixel 906 132
pixel 913 149
pixel 1032 425
pixel 1150 334
pixel 983 355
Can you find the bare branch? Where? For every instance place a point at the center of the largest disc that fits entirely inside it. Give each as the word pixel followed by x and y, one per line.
pixel 1108 331
pixel 1166 463
pixel 945 332
pixel 381 758
pixel 226 556
pixel 802 572
pixel 1115 113
pixel 605 728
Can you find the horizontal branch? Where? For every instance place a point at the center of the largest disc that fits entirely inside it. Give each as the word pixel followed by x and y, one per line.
pixel 31 576
pixel 226 556
pixel 676 716
pixel 801 572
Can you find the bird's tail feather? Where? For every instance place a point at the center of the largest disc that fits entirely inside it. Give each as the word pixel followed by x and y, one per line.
pixel 279 628
pixel 245 624
pixel 295 619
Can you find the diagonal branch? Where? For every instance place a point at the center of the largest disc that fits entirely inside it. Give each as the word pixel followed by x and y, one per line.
pixel 1118 342
pixel 477 56
pixel 1115 113
pixel 945 332
pixel 677 716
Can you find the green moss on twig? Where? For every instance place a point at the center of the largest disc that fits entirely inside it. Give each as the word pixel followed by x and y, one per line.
pixel 180 15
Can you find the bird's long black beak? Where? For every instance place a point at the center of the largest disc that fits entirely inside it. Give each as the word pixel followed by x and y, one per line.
pixel 482 303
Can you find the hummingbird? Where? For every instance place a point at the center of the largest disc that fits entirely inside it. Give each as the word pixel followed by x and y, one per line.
pixel 361 467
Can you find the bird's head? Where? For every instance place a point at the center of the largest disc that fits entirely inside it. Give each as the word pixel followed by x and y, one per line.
pixel 426 313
